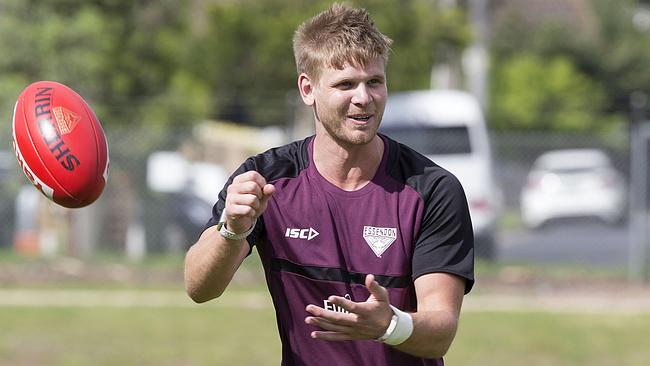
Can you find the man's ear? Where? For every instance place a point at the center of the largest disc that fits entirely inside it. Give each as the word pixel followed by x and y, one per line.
pixel 306 88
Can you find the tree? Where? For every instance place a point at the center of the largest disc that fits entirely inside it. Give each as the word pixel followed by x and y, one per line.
pixel 531 92
pixel 124 57
pixel 245 55
pixel 174 62
pixel 608 63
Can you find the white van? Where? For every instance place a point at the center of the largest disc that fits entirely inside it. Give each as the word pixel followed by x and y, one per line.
pixel 449 128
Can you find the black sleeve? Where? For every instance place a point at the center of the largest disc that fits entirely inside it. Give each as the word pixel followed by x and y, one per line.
pixel 273 164
pixel 445 241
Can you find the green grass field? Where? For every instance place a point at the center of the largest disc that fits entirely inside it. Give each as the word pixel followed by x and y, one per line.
pixel 212 334
pixel 541 339
pixel 202 335
pixel 137 314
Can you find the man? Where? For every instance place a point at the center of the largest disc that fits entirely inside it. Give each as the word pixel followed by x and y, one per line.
pixel 367 245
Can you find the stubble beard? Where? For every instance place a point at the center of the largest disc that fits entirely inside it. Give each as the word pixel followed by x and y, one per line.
pixel 335 128
pixel 347 138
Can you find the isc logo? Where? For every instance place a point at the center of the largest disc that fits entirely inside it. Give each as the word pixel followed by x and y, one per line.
pixel 308 234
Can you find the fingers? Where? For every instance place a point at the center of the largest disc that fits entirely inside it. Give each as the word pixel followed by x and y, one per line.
pixel 346 304
pixel 328 325
pixel 333 336
pixel 267 192
pixel 348 319
pixel 378 292
pixel 243 199
pixel 247 197
pixel 336 326
pixel 250 175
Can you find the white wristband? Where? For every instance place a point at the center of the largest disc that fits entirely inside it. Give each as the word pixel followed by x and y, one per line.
pixel 399 329
pixel 223 230
pixel 234 236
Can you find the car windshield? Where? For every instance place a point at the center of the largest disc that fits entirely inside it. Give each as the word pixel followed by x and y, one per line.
pixel 432 140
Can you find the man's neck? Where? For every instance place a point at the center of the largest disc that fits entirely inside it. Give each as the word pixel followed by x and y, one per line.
pixel 348 167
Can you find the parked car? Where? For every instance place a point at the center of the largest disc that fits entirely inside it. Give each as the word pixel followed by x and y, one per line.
pixel 573 183
pixel 448 127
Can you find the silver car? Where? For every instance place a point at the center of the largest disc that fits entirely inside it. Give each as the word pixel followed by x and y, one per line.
pixel 573 183
pixel 449 127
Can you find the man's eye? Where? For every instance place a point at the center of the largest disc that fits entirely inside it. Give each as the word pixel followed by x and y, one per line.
pixel 375 82
pixel 344 85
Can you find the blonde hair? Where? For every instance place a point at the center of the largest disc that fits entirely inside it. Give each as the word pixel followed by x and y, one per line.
pixel 337 36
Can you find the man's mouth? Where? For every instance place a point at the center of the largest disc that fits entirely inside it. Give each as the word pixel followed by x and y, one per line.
pixel 361 117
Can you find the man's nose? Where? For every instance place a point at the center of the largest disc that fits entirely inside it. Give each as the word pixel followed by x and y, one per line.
pixel 361 95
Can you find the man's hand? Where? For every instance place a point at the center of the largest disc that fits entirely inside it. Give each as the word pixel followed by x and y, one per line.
pixel 365 320
pixel 212 261
pixel 247 197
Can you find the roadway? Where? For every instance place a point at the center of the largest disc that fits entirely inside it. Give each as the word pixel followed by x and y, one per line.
pixel 579 242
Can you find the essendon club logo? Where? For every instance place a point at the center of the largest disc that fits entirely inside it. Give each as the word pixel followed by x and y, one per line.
pixel 379 238
pixel 66 120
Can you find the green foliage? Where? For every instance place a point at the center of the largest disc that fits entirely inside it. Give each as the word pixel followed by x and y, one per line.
pixel 246 55
pixel 245 59
pixel 121 56
pixel 423 35
pixel 621 55
pixel 174 62
pixel 533 93
pixel 38 46
pixel 177 62
pixel 572 78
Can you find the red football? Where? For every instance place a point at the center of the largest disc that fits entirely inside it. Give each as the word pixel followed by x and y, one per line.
pixel 60 144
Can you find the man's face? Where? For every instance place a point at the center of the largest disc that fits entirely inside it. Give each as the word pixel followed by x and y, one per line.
pixel 349 103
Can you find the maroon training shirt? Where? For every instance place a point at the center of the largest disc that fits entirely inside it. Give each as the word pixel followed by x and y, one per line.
pixel 317 240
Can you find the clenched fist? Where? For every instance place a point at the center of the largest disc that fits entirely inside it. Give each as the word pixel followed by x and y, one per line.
pixel 246 199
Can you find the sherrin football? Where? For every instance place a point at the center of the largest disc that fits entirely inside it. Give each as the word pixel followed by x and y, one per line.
pixel 60 144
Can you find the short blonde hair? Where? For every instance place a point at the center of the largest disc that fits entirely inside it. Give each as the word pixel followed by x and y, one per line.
pixel 337 36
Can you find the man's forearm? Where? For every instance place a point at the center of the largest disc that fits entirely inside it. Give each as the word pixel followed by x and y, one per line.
pixel 210 265
pixel 433 332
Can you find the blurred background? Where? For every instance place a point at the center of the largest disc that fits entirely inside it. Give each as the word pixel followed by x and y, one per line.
pixel 186 90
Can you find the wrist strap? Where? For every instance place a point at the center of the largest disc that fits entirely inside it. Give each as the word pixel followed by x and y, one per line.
pixel 234 236
pixel 399 329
